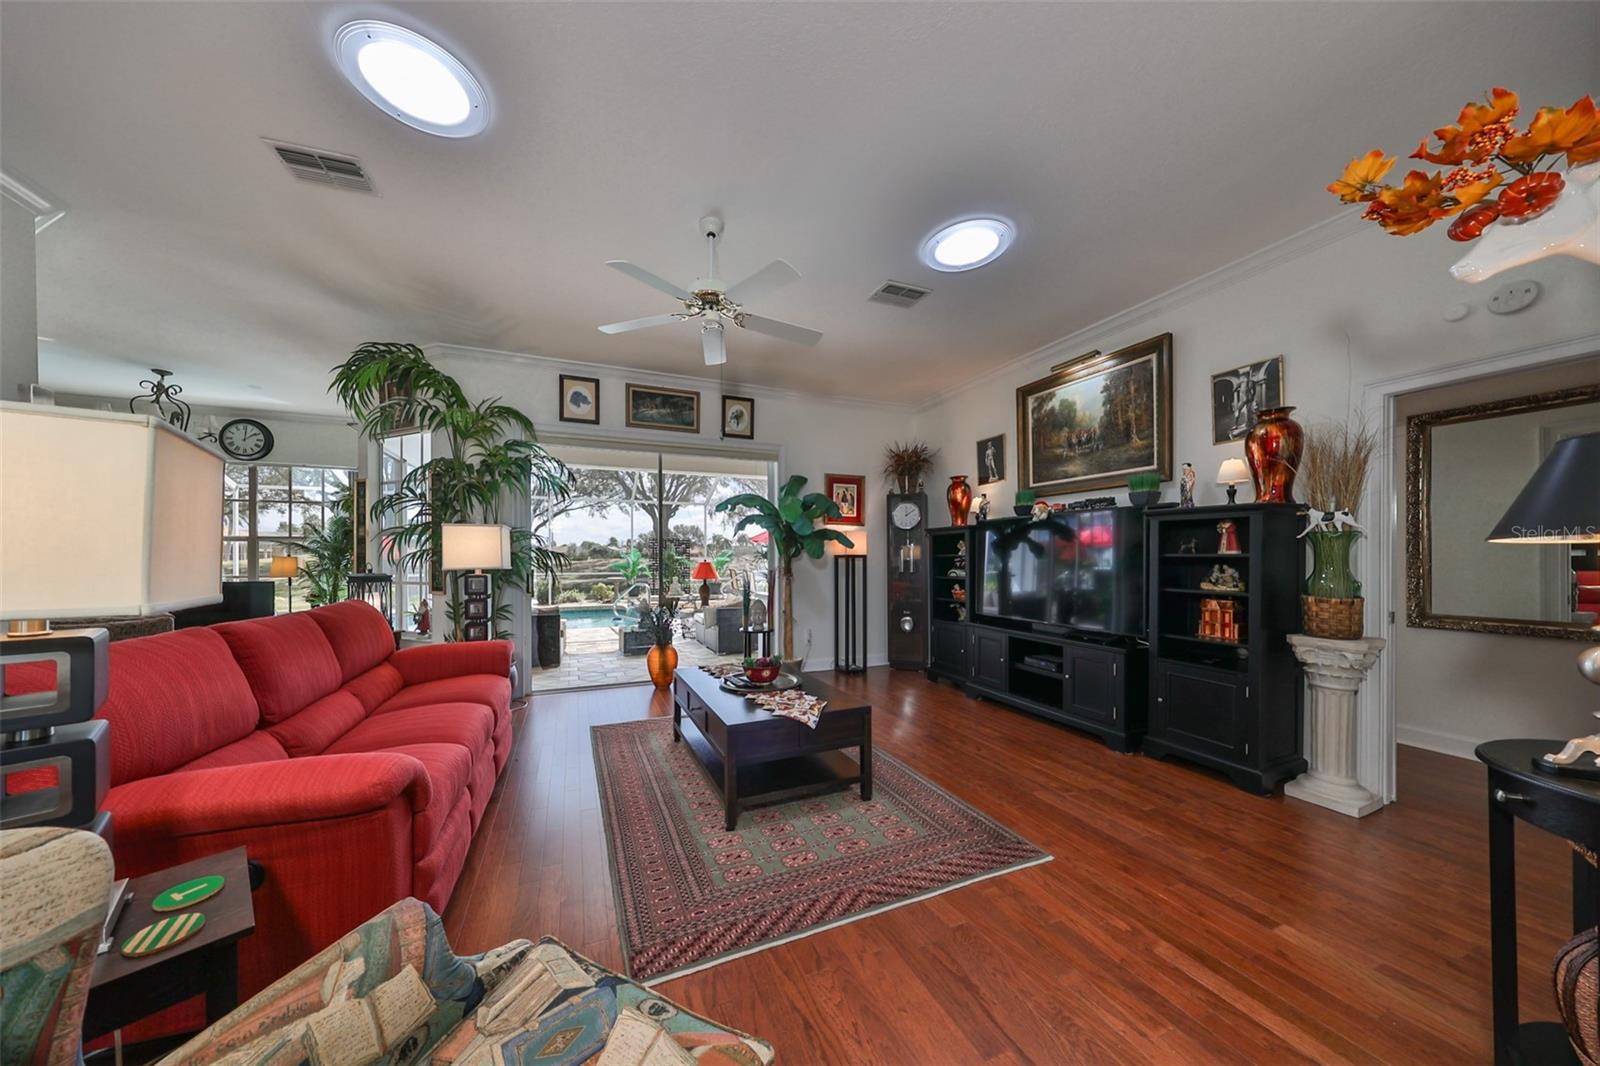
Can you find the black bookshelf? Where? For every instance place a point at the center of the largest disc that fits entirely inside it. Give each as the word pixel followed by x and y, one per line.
pixel 1233 705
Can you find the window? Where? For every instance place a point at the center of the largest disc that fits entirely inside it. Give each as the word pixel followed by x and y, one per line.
pixel 265 509
pixel 403 453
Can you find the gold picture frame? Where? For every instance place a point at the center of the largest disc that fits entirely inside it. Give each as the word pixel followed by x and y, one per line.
pixel 656 407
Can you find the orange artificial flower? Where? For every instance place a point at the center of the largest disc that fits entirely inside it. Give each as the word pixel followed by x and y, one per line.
pixel 1481 131
pixel 1473 221
pixel 1575 131
pixel 1362 174
pixel 1419 202
pixel 1470 186
pixel 1531 196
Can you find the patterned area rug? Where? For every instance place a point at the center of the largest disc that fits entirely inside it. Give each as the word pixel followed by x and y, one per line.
pixel 690 895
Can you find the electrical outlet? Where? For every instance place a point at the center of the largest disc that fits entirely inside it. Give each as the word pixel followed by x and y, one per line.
pixel 1514 297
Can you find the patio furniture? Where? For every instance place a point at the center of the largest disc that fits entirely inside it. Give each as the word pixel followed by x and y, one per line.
pixel 717 626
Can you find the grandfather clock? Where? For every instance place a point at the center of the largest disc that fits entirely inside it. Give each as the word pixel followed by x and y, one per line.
pixel 908 581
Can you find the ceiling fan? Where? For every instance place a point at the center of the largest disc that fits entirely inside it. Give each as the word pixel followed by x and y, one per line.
pixel 717 303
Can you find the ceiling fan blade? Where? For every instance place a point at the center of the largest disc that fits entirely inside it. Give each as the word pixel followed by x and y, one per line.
pixel 639 323
pixel 782 330
pixel 655 281
pixel 770 278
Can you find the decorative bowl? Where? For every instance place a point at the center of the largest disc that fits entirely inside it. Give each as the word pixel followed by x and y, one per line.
pixel 761 675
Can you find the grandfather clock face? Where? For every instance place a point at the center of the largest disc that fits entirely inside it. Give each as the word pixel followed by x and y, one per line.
pixel 908 580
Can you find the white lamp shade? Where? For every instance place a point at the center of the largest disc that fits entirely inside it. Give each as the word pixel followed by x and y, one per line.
pixel 105 514
pixel 475 547
pixel 1233 472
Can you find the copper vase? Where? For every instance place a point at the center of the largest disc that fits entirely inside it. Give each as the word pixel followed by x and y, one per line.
pixel 1273 449
pixel 663 663
pixel 959 497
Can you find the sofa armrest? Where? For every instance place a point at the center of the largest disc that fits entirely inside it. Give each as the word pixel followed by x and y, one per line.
pixel 433 662
pixel 277 793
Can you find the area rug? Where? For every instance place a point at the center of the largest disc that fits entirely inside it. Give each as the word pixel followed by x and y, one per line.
pixel 690 895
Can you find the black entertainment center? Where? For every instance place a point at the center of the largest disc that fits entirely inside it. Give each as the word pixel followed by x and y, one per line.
pixel 1094 619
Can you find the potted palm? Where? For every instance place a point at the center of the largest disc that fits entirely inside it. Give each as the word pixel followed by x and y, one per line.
pixel 794 526
pixel 490 455
pixel 325 553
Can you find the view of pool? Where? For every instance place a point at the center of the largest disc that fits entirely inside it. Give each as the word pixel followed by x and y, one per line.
pixel 587 617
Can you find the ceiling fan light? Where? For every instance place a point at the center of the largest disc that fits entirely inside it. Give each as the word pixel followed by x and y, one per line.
pixel 714 344
pixel 968 244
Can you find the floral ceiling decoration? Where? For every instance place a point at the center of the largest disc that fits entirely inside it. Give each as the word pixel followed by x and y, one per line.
pixel 1522 195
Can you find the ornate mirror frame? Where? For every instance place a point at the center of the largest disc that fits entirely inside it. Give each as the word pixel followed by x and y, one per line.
pixel 1419 547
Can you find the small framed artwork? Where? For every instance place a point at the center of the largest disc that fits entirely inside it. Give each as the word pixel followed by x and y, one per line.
pixel 849 492
pixel 650 407
pixel 580 400
pixel 471 631
pixel 739 417
pixel 1238 395
pixel 475 584
pixel 992 459
pixel 476 610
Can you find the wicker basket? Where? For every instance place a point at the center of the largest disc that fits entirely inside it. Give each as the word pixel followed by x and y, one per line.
pixel 1334 619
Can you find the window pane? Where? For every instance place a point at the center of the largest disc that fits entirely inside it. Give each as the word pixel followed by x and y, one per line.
pixel 272 519
pixel 272 478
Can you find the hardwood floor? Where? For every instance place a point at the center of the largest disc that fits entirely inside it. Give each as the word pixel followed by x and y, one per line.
pixel 1182 919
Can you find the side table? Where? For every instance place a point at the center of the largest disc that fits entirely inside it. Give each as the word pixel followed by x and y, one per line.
pixel 1564 805
pixel 123 990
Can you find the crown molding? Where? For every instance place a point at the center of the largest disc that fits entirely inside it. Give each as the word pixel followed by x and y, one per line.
pixel 44 212
pixel 1308 240
pixel 524 360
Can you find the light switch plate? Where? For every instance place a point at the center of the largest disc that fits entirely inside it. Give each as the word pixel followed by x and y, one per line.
pixel 1513 297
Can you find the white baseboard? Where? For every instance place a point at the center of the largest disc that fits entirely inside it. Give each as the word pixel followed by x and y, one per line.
pixel 817 663
pixel 1433 740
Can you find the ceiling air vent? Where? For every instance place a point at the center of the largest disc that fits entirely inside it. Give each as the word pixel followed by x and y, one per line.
pixel 324 168
pixel 898 294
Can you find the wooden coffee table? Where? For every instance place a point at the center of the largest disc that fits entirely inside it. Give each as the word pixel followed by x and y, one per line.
pixel 757 758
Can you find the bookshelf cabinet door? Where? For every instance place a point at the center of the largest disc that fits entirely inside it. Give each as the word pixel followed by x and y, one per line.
pixel 989 658
pixel 1093 687
pixel 1200 710
pixel 950 648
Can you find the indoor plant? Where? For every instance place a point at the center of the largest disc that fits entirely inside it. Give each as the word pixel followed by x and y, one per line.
pixel 662 660
pixel 490 456
pixel 905 464
pixel 794 527
pixel 325 553
pixel 1334 475
pixel 1144 489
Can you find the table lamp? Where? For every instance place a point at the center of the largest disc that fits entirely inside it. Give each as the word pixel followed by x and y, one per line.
pixel 476 547
pixel 1560 504
pixel 705 573
pixel 104 515
pixel 1233 473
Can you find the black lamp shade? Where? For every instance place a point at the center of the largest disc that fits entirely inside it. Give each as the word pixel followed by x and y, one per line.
pixel 1560 504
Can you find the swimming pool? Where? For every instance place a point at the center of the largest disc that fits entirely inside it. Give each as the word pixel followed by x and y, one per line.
pixel 586 617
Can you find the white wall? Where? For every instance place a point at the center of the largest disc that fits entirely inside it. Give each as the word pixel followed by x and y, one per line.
pixel 298 440
pixel 812 437
pixel 19 305
pixel 1346 305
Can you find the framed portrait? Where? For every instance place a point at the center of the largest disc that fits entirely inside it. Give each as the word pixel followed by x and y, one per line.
pixel 475 584
pixel 849 491
pixel 475 631
pixel 739 417
pixel 1238 395
pixel 1096 420
pixel 580 400
pixel 476 610
pixel 992 459
pixel 650 407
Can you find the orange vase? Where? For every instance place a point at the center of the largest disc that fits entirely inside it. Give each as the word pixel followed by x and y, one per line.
pixel 959 497
pixel 1273 448
pixel 663 663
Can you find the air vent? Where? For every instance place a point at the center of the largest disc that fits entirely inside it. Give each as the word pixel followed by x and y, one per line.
pixel 898 294
pixel 324 168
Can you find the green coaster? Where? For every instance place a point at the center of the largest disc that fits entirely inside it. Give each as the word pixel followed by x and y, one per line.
pixel 163 933
pixel 188 894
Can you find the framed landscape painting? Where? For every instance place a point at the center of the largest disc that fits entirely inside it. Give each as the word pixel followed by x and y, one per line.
pixel 1097 420
pixel 650 407
pixel 1238 395
pixel 849 491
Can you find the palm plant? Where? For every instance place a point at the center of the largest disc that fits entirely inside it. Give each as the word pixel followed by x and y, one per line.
pixel 794 528
pixel 632 567
pixel 325 553
pixel 491 455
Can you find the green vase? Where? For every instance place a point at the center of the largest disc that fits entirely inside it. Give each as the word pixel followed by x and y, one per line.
pixel 1331 578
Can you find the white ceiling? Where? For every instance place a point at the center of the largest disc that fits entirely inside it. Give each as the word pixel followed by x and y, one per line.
pixel 1135 145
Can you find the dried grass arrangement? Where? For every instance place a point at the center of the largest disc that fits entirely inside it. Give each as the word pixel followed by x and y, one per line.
pixel 905 464
pixel 1333 471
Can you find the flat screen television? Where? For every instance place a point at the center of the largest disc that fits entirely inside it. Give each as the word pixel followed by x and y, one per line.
pixel 1077 569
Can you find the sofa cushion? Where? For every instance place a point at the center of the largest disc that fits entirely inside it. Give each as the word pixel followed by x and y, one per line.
pixel 493 692
pixel 361 637
pixel 289 662
pixel 466 724
pixel 449 768
pixel 320 724
pixel 375 686
pixel 172 698
pixel 259 746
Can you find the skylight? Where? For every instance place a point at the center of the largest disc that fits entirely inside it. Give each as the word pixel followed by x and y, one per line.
pixel 411 78
pixel 968 244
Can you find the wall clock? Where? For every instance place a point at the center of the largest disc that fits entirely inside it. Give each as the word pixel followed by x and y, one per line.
pixel 245 439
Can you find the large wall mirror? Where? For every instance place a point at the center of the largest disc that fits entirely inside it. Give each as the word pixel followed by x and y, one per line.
pixel 1464 466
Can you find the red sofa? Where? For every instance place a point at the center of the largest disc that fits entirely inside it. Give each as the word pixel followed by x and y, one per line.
pixel 354 773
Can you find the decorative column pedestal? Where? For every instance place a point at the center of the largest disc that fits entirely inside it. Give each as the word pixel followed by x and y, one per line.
pixel 1334 669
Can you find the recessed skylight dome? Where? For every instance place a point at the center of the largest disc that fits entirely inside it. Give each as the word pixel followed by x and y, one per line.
pixel 967 245
pixel 411 78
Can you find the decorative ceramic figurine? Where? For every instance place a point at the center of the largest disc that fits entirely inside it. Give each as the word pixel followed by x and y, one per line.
pixel 1188 545
pixel 1332 521
pixel 983 506
pixel 1223 578
pixel 1040 512
pixel 1227 537
pixel 1186 486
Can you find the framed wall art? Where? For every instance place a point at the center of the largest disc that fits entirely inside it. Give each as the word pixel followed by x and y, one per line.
pixel 1096 420
pixel 849 491
pixel 992 459
pixel 1238 395
pixel 650 407
pixel 739 417
pixel 580 400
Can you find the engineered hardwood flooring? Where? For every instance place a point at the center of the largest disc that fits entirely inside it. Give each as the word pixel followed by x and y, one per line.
pixel 1182 920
